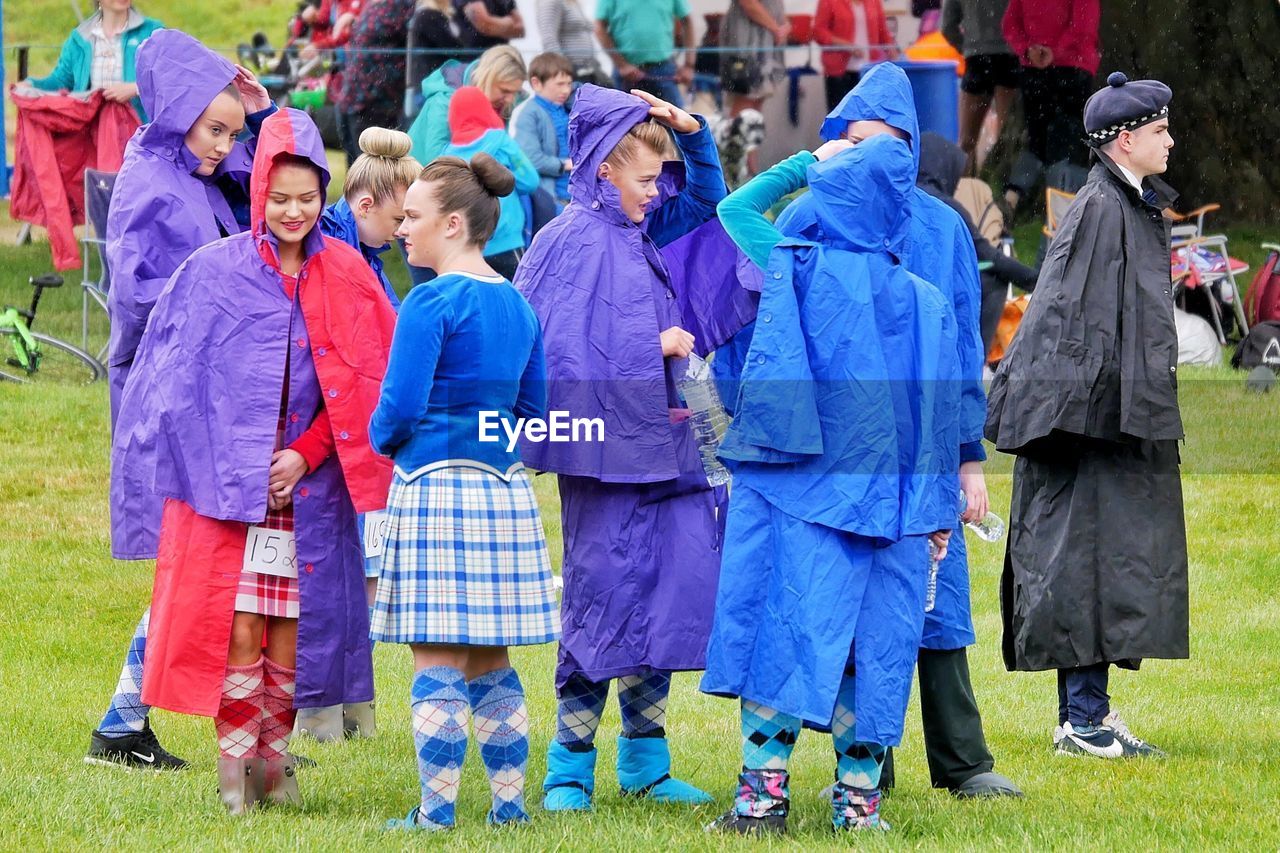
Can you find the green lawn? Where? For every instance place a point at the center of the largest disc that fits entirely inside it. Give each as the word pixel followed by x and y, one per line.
pixel 68 611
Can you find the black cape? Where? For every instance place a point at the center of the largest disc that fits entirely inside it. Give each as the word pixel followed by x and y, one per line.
pixel 1096 563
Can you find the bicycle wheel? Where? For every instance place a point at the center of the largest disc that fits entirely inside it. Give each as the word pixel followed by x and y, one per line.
pixel 60 362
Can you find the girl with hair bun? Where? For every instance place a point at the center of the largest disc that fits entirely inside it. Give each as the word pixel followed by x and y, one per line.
pixel 372 203
pixel 366 218
pixel 465 573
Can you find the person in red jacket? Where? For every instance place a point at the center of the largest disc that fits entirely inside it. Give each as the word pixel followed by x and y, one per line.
pixel 854 34
pixel 331 27
pixel 1057 43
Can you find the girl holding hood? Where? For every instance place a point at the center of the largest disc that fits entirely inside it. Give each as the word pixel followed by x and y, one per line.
pixel 641 525
pixel 844 452
pixel 248 413
pixel 183 184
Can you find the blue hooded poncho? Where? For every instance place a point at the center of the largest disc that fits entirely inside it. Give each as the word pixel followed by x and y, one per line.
pixel 939 248
pixel 844 451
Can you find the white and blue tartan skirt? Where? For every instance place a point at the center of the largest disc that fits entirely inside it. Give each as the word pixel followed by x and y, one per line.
pixel 465 562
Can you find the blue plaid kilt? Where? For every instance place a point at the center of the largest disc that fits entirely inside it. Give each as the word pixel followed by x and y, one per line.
pixel 465 562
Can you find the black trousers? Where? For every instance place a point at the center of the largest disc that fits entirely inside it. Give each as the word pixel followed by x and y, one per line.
pixel 953 739
pixel 1053 102
pixel 839 86
pixel 994 296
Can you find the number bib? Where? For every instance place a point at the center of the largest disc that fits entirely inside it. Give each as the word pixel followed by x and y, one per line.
pixel 271 552
pixel 376 526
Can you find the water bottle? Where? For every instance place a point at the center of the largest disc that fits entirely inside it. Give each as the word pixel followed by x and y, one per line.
pixel 990 528
pixel 707 417
pixel 931 587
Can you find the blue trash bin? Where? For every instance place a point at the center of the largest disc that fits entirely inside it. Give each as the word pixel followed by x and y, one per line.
pixel 936 88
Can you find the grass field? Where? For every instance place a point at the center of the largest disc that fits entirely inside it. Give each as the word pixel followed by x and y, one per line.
pixel 68 611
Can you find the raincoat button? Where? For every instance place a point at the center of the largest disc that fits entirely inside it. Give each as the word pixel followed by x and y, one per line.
pixel 595 205
pixel 759 359
pixel 333 392
pixel 303 491
pixel 322 351
pixel 310 568
pixel 887 242
pixel 302 342
pixel 344 435
pixel 1173 370
pixel 293 418
pixel 777 275
pixel 768 318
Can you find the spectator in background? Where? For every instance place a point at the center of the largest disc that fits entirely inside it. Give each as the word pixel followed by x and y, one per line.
pixel 753 35
pixel 373 88
pixel 928 13
pixel 331 30
pixel 499 73
pixel 566 29
pixel 991 71
pixel 640 37
pixel 854 34
pixel 475 127
pixel 541 124
pixel 100 54
pixel 433 35
pixel 1057 43
pixel 486 23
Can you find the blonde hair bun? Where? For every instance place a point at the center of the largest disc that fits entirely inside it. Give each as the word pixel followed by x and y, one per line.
pixel 384 142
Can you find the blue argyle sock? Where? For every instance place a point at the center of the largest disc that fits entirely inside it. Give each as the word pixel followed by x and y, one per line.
pixel 578 715
pixel 127 714
pixel 768 736
pixel 440 718
pixel 858 763
pixel 500 721
pixel 642 699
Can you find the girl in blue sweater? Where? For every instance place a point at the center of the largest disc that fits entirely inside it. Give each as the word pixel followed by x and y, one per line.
pixel 465 573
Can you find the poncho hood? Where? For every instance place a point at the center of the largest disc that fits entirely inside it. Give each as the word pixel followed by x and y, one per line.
pixel 178 77
pixel 600 118
pixel 883 94
pixel 862 196
pixel 287 133
pixel 471 115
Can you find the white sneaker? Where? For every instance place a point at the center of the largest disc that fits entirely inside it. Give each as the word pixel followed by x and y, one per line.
pixel 1134 746
pixel 1098 741
pixel 1058 734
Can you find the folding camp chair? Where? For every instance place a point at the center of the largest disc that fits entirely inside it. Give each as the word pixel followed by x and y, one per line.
pixel 1202 263
pixel 1056 203
pixel 97 201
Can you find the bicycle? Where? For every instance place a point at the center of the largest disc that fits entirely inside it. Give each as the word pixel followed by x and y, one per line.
pixel 36 357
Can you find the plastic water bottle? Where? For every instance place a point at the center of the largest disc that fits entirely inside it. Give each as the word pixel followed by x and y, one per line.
pixel 707 417
pixel 931 587
pixel 989 528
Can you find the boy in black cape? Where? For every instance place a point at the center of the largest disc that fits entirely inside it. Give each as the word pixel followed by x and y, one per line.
pixel 1095 570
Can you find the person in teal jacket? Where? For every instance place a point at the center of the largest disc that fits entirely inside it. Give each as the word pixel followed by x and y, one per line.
pixel 476 127
pixel 499 72
pixel 100 54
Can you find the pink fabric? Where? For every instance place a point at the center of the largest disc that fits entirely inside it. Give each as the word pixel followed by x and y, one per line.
pixel 1067 27
pixel 278 684
pixel 239 718
pixel 59 136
